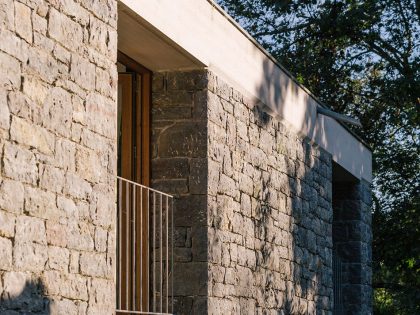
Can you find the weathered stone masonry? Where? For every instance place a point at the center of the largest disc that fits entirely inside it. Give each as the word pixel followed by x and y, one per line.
pixel 179 166
pixel 253 213
pixel 58 156
pixel 352 236
pixel 270 213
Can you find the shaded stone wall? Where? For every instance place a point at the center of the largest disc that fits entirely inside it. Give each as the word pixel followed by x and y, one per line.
pixel 58 85
pixel 353 244
pixel 270 214
pixel 253 207
pixel 179 167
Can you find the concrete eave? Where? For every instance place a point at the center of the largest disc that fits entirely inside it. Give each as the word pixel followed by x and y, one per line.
pixel 187 34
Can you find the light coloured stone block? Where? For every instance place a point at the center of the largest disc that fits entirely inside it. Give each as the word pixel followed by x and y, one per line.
pixel 101 239
pixel 67 207
pixel 13 45
pixel 51 178
pixel 95 265
pixel 65 155
pixel 10 76
pixel 5 253
pixel 29 257
pixel 77 187
pixel 41 204
pixel 64 30
pixel 82 72
pixel 65 306
pixel 58 258
pixel 35 89
pixel 11 196
pixel 102 205
pixel 7 16
pixel 7 224
pixel 80 236
pixel 30 229
pixel 4 110
pixel 57 111
pixel 23 23
pixel 56 233
pixel 31 135
pixel 89 164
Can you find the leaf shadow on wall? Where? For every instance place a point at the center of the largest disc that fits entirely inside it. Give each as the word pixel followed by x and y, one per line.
pixel 302 283
pixel 28 298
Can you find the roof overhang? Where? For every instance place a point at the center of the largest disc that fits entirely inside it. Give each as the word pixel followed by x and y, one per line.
pixel 188 34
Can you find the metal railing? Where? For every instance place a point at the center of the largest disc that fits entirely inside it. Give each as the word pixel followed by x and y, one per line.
pixel 144 249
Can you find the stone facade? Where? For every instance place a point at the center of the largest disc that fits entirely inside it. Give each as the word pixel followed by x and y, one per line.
pixel 270 215
pixel 352 236
pixel 254 205
pixel 254 201
pixel 179 167
pixel 58 85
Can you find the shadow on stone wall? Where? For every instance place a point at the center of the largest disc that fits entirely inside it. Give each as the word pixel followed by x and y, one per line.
pixel 311 216
pixel 27 299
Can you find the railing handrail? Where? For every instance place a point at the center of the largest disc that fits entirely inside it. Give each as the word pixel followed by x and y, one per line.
pixel 145 187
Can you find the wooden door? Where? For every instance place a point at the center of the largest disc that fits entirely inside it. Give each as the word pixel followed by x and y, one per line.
pixel 133 165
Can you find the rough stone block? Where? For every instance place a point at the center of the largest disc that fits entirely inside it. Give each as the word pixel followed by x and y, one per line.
pixel 10 76
pixel 65 155
pixel 7 17
pixel 57 111
pixel 65 306
pixel 7 224
pixel 77 187
pixel 30 256
pixel 31 135
pixel 24 24
pixel 95 265
pixel 11 196
pixel 13 45
pixel 30 229
pixel 64 30
pixel 183 140
pixel 51 178
pixel 41 204
pixel 57 233
pixel 89 164
pixel 5 253
pixel 58 258
pixel 82 72
pixel 19 164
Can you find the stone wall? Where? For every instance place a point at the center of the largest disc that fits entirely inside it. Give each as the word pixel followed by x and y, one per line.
pixel 352 236
pixel 58 84
pixel 179 167
pixel 270 215
pixel 253 202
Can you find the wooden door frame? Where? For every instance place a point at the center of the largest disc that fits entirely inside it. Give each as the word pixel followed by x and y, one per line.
pixel 143 118
pixel 136 156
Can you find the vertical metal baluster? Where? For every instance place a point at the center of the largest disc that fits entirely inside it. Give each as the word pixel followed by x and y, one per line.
pixel 161 251
pixel 148 250
pixel 141 248
pixel 119 239
pixel 167 254
pixel 154 252
pixel 133 276
pixel 127 197
pixel 172 255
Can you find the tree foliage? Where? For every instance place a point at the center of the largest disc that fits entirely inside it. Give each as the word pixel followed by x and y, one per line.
pixel 362 58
